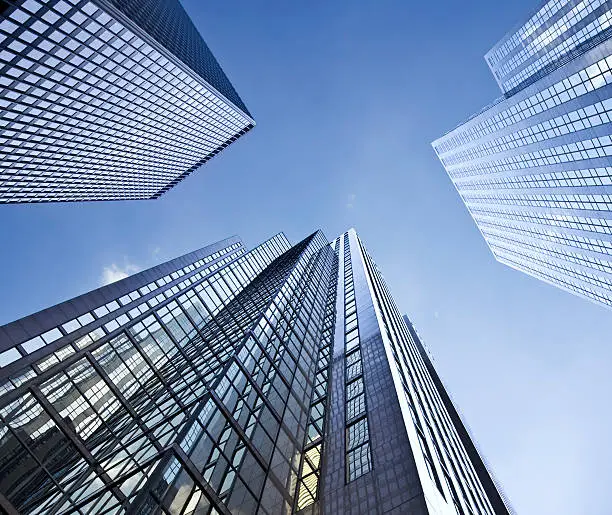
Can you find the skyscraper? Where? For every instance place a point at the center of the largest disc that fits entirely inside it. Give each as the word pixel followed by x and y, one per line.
pixel 280 380
pixel 534 168
pixel 107 100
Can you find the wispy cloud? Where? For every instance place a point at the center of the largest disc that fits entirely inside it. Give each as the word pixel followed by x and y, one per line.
pixel 351 200
pixel 114 272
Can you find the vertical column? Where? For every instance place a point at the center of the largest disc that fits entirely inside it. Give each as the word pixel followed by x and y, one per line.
pixel 310 469
pixel 358 453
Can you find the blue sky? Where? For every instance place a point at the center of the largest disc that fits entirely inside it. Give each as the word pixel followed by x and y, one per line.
pixel 347 97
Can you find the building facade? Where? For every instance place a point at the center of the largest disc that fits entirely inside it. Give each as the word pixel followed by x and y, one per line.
pixel 277 380
pixel 107 100
pixel 534 168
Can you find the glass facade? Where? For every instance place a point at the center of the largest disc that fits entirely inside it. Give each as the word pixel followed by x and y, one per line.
pixel 534 168
pixel 558 32
pixel 107 100
pixel 277 380
pixel 408 439
pixel 169 24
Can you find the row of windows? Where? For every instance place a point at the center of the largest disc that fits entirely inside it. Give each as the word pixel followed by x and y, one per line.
pixel 567 240
pixel 593 77
pixel 90 404
pixel 214 292
pixel 303 314
pixel 214 442
pixel 565 46
pixel 570 178
pixel 580 119
pixel 568 153
pixel 253 393
pixel 548 255
pixel 93 89
pixel 501 214
pixel 518 38
pixel 358 451
pixel 563 25
pixel 445 456
pixel 310 470
pixel 84 320
pixel 568 201
pixel 535 270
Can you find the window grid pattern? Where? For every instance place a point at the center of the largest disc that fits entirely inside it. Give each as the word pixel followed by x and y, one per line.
pixel 551 220
pixel 83 396
pixel 171 26
pixel 132 300
pixel 93 111
pixel 358 451
pixel 581 150
pixel 593 77
pixel 546 253
pixel 533 172
pixel 233 439
pixel 587 177
pixel 310 470
pixel 584 118
pixel 550 33
pixel 556 39
pixel 269 360
pixel 186 409
pixel 545 273
pixel 567 48
pixel 561 243
pixel 569 201
pixel 517 38
pixel 440 446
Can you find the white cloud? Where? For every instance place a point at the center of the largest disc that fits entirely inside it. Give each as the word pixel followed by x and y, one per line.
pixel 114 272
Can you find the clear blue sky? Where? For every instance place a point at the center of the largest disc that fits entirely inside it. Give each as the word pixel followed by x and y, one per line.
pixel 348 97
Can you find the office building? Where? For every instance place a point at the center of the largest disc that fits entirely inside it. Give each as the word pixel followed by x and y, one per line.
pixel 534 168
pixel 107 100
pixel 277 380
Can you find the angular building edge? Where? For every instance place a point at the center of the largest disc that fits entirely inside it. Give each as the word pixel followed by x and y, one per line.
pixel 495 493
pixel 203 161
pixel 308 333
pixel 237 102
pixel 167 150
pixel 32 326
pixel 36 323
pixel 240 105
pixel 533 168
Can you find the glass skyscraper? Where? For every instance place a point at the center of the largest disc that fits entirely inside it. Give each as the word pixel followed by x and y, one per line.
pixel 107 100
pixel 277 380
pixel 534 168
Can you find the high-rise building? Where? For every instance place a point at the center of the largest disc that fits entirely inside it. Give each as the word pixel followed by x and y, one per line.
pixel 107 100
pixel 280 380
pixel 534 168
